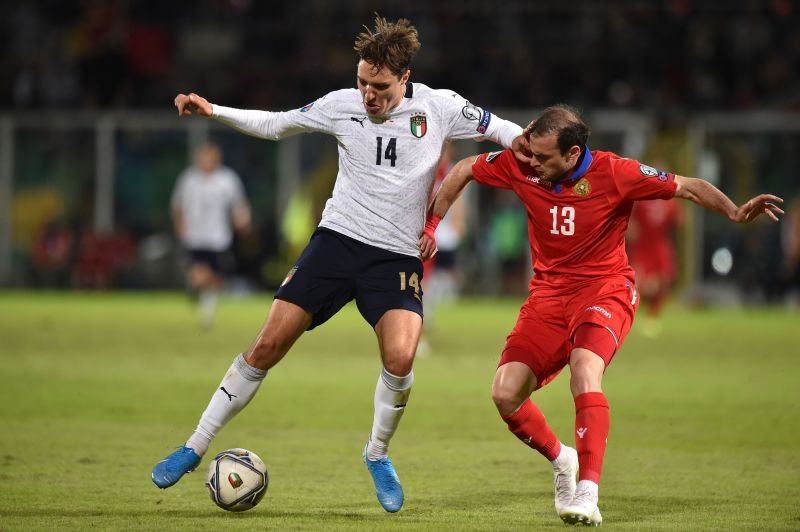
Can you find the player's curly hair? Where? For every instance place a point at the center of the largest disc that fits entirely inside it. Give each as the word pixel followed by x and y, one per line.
pixel 566 122
pixel 390 44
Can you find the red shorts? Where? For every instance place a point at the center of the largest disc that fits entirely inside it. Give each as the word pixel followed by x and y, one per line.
pixel 543 336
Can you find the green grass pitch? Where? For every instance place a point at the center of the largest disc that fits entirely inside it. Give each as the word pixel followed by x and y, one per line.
pixel 95 388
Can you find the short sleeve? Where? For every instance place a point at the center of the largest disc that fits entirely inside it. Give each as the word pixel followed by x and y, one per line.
pixel 178 193
pixel 637 181
pixel 494 168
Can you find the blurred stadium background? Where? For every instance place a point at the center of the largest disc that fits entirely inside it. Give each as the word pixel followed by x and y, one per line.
pixel 99 386
pixel 90 146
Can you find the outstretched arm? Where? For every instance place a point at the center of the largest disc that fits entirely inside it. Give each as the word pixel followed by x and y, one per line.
pixel 452 185
pixel 710 197
pixel 261 124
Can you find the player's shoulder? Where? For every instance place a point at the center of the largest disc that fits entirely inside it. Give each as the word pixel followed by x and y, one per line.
pixel 609 162
pixel 438 96
pixel 498 162
pixel 333 100
pixel 496 157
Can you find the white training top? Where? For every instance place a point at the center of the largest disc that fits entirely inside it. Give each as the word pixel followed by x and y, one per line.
pixel 206 201
pixel 387 165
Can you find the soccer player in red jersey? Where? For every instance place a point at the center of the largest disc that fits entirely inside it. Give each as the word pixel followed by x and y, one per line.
pixel 582 298
pixel 652 252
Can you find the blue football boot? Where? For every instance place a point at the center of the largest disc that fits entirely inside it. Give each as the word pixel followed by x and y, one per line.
pixel 387 485
pixel 170 470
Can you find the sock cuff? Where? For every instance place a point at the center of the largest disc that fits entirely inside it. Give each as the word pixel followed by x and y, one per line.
pixel 522 412
pixel 247 371
pixel 589 399
pixel 395 383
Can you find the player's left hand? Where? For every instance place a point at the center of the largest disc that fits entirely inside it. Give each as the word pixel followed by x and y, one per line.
pixel 761 204
pixel 522 149
pixel 427 247
pixel 521 146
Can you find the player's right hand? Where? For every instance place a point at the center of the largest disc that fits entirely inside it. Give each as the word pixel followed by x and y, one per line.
pixel 192 103
pixel 427 247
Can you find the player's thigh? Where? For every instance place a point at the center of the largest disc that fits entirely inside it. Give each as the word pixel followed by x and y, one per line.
pixel 610 305
pixel 539 338
pixel 322 280
pixel 389 281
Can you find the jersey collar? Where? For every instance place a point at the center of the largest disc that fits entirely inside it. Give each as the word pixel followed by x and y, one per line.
pixel 583 165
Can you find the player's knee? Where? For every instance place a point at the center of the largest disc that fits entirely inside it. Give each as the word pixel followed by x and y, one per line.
pixel 266 352
pixel 586 376
pixel 399 361
pixel 506 400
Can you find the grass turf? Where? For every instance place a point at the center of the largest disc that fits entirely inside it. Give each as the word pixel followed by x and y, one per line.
pixel 98 387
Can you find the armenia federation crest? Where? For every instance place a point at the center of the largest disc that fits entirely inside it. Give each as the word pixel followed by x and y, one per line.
pixel 419 125
pixel 582 187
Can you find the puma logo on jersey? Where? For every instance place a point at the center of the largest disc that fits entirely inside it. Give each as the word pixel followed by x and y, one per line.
pixel 359 120
pixel 527 440
pixel 581 431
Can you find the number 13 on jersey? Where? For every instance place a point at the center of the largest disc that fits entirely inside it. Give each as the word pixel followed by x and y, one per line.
pixel 566 224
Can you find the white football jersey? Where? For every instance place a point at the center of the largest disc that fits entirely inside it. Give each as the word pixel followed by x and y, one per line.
pixel 206 201
pixel 387 165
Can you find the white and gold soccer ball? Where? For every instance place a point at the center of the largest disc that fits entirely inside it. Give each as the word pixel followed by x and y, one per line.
pixel 237 480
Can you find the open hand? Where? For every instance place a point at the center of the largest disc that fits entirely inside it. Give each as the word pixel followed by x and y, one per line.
pixel 761 204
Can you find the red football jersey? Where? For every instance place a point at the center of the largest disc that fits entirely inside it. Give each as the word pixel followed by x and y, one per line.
pixel 577 225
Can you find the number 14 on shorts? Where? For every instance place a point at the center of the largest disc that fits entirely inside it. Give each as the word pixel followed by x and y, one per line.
pixel 411 281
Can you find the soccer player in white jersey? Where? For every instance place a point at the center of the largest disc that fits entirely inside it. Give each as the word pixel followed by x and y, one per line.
pixel 207 205
pixel 390 134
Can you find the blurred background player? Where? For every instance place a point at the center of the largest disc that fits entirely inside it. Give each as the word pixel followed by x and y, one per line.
pixel 582 298
pixel 651 236
pixel 442 279
pixel 390 134
pixel 208 205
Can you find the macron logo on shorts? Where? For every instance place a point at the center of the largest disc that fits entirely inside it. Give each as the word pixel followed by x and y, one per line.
pixel 601 310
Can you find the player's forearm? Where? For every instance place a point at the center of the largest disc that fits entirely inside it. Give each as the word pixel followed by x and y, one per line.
pixel 503 132
pixel 452 185
pixel 261 124
pixel 706 195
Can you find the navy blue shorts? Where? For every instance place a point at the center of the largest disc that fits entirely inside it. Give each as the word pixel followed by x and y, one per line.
pixel 334 269
pixel 210 258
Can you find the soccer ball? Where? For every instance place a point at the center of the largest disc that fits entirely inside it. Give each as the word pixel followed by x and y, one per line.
pixel 237 480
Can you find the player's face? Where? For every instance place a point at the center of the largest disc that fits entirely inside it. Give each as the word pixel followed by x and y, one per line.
pixel 381 91
pixel 547 160
pixel 208 158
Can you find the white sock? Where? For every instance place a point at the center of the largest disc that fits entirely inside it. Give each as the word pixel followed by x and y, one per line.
pixel 391 396
pixel 587 485
pixel 238 386
pixel 208 306
pixel 561 460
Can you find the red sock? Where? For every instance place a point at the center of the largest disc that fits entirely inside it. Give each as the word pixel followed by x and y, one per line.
pixel 529 425
pixel 592 420
pixel 656 302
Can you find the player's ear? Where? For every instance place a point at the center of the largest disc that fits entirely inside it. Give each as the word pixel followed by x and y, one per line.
pixel 574 153
pixel 405 76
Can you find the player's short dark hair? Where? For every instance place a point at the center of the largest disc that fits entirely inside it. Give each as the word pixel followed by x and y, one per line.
pixel 390 44
pixel 566 122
